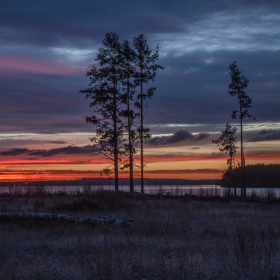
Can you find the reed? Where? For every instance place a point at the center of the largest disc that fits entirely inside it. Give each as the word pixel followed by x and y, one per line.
pixel 170 238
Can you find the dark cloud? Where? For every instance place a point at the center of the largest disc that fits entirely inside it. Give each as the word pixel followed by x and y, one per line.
pixel 178 136
pixel 187 171
pixel 266 135
pixel 48 47
pixel 14 152
pixel 202 136
pixel 69 150
pixel 202 96
pixel 184 156
pixel 57 142
pixel 53 23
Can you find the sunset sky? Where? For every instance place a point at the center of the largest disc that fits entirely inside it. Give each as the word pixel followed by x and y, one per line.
pixel 46 47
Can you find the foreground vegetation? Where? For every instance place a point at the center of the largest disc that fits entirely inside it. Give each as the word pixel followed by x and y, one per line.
pixel 171 237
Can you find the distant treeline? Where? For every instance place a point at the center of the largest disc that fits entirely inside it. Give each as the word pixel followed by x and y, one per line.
pixel 107 182
pixel 256 176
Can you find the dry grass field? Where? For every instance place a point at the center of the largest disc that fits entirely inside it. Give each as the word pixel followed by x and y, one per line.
pixel 170 238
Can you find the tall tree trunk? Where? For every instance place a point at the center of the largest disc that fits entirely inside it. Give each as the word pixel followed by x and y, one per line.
pixel 243 189
pixel 130 147
pixel 141 138
pixel 116 155
pixel 131 171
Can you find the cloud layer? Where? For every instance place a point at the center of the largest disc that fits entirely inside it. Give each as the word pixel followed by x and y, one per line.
pixel 179 136
pixel 69 150
pixel 46 48
pixel 266 135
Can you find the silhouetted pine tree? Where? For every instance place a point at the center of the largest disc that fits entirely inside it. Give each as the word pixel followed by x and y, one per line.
pixel 104 92
pixel 145 72
pixel 227 142
pixel 112 89
pixel 128 72
pixel 237 88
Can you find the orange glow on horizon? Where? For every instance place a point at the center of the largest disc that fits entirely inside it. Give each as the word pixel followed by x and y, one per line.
pixel 162 164
pixel 156 168
pixel 72 175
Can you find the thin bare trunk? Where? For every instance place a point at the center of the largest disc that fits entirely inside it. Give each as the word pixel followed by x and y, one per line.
pixel 116 155
pixel 141 137
pixel 130 147
pixel 243 189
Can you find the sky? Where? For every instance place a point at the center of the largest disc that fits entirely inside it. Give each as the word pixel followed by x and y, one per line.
pixel 46 48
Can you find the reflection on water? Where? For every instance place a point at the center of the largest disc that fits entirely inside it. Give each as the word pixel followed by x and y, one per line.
pixel 202 190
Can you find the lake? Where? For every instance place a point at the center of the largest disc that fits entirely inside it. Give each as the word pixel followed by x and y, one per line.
pixel 202 190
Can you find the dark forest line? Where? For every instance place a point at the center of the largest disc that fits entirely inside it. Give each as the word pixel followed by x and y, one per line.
pixel 257 176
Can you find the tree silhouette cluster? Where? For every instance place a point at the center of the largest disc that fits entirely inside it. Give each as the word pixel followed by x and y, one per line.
pixel 228 139
pixel 118 91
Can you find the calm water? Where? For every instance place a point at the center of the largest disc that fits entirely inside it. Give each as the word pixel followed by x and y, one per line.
pixel 203 190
